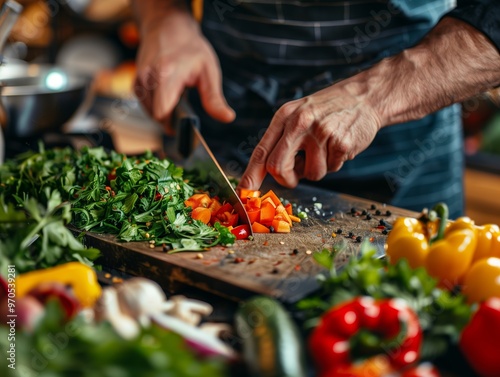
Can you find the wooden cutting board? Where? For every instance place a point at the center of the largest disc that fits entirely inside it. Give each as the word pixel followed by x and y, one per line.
pixel 278 265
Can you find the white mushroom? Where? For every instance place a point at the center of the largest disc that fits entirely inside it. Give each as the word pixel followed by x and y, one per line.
pixel 138 301
pixel 215 329
pixel 108 308
pixel 140 298
pixel 188 310
pixel 194 335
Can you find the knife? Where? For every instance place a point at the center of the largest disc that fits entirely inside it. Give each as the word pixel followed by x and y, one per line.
pixel 196 154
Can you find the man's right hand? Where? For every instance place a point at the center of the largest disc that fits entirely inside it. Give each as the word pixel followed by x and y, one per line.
pixel 174 55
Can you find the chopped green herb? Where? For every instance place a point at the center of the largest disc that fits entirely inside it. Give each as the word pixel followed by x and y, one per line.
pixel 115 194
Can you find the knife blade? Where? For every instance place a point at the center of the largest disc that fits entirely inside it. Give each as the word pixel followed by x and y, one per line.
pixel 196 154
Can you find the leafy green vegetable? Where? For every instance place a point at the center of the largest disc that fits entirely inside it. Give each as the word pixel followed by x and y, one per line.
pixel 136 198
pixel 37 237
pixel 442 314
pixel 80 349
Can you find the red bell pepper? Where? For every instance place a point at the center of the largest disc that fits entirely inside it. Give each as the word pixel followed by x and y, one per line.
pixel 241 232
pixel 225 216
pixel 366 327
pixel 480 339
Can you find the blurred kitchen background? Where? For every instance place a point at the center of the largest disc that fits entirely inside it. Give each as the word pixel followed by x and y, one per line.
pixel 98 40
pixel 91 39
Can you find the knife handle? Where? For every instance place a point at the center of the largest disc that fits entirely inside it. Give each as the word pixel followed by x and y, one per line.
pixel 184 119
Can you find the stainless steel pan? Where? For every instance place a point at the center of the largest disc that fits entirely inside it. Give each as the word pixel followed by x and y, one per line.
pixel 38 98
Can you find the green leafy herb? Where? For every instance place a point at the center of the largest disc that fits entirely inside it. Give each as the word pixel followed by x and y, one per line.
pixel 136 198
pixel 37 237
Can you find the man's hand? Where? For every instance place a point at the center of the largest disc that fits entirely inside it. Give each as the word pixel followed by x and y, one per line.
pixel 174 55
pixel 312 136
pixel 454 62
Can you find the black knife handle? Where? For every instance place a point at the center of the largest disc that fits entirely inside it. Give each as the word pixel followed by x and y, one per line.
pixel 184 119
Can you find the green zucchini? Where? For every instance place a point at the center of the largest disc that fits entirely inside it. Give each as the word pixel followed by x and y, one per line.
pixel 271 343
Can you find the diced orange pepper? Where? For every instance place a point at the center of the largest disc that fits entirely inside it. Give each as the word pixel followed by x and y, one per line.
pixel 198 200
pixel 281 226
pixel 245 194
pixel 225 216
pixel 278 216
pixel 190 203
pixel 273 196
pixel 201 213
pixel 254 202
pixel 294 218
pixel 214 206
pixel 282 211
pixel 253 215
pixel 268 200
pixel 267 212
pixel 289 209
pixel 259 228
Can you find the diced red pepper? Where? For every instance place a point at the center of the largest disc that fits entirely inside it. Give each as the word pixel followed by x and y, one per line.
pixel 241 231
pixel 225 216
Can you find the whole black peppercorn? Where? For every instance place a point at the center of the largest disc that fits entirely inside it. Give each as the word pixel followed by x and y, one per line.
pixel 339 231
pixel 377 212
pixel 373 206
pixel 368 217
pixel 353 210
pixel 359 239
pixel 364 212
pixel 388 213
pixel 385 223
pixel 271 229
pixel 385 231
pixel 351 234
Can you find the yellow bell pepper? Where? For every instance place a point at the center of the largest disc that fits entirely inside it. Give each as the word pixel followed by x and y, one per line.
pixel 81 278
pixel 446 255
pixel 482 281
pixel 488 237
pixel 488 242
pixel 407 239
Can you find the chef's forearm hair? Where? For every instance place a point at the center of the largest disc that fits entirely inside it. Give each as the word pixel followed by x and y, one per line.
pixel 454 62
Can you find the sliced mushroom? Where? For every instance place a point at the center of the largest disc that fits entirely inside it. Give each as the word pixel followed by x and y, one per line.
pixel 140 298
pixel 188 310
pixel 195 336
pixel 108 309
pixel 215 329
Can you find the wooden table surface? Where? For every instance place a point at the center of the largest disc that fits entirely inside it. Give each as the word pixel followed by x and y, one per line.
pixel 280 265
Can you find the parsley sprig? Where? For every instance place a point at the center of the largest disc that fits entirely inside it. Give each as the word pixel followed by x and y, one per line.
pixel 36 236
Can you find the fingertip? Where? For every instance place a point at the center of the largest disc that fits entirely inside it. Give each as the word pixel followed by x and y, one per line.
pixel 229 115
pixel 219 110
pixel 251 180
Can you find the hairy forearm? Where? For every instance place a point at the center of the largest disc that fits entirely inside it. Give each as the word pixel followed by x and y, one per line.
pixel 454 62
